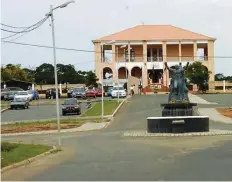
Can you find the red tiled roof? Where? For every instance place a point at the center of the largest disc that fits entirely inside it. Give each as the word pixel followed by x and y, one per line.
pixel 155 33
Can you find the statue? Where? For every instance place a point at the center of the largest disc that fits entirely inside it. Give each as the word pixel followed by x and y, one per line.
pixel 178 88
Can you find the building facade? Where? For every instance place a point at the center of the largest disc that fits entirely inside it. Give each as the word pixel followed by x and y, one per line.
pixel 141 52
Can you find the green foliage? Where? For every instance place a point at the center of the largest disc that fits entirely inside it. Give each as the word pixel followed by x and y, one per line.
pixel 14 72
pixel 221 77
pixel 155 91
pixel 91 79
pixel 198 74
pixel 44 74
pixel 7 147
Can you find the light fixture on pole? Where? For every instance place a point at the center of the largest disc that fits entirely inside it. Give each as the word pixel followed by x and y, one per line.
pixel 55 67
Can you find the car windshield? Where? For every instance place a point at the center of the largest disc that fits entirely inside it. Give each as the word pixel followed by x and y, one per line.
pixel 70 102
pixel 79 89
pixel 118 88
pixel 19 99
pixel 15 89
pixel 22 93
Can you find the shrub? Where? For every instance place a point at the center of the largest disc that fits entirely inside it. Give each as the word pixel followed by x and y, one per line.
pixel 155 91
pixel 7 147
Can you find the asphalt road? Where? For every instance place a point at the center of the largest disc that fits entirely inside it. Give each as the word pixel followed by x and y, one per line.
pixel 107 155
pixel 35 113
pixel 222 99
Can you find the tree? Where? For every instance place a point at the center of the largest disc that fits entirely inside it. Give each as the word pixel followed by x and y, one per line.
pixel 31 74
pixel 91 79
pixel 219 77
pixel 198 74
pixel 45 74
pixel 14 72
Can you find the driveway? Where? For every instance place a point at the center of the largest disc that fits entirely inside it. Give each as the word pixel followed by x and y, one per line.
pixel 107 155
pixel 34 113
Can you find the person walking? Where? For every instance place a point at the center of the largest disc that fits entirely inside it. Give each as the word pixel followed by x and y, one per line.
pixel 132 90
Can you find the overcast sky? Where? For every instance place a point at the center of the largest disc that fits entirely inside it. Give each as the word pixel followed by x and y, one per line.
pixel 86 20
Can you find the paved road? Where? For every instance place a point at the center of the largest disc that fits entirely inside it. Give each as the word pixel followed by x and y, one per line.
pixel 106 155
pixel 34 113
pixel 222 99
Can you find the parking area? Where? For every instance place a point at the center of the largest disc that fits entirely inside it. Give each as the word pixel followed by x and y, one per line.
pixel 38 112
pixel 222 99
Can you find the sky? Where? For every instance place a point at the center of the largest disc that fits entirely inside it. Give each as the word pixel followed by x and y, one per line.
pixel 85 20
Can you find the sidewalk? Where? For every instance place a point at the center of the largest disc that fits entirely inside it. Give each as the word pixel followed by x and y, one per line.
pixel 214 115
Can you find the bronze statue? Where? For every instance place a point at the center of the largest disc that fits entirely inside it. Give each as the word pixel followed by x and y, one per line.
pixel 178 88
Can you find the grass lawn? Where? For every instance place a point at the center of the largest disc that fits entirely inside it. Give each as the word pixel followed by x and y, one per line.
pixel 96 110
pixel 13 153
pixel 34 126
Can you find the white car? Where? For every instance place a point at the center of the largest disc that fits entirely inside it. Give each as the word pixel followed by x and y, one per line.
pixel 23 94
pixel 118 90
pixel 30 93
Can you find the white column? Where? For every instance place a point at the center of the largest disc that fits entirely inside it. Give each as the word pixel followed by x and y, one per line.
pixel 224 85
pixel 4 86
pixel 33 86
pixel 60 89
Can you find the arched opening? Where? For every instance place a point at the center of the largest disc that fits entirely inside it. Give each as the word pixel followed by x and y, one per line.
pixel 122 73
pixel 136 72
pixel 107 73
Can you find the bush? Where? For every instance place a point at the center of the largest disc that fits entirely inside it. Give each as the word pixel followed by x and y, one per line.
pixel 7 147
pixel 155 91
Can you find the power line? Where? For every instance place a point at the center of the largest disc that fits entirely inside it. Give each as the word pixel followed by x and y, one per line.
pixel 12 26
pixel 27 30
pixel 91 51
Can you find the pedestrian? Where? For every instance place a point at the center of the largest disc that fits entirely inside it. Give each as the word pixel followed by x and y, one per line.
pixel 132 90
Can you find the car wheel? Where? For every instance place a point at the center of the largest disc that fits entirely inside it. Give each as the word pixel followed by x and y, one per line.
pixel 63 113
pixel 11 107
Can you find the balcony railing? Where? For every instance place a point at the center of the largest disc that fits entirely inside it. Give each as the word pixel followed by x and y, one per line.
pixel 154 59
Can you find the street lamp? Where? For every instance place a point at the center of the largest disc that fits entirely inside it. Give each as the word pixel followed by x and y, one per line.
pixel 55 68
pixel 102 74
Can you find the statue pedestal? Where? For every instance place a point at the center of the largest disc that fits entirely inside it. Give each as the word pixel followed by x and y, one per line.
pixel 178 109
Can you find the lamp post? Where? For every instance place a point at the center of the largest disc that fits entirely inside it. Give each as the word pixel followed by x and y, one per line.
pixel 55 67
pixel 102 73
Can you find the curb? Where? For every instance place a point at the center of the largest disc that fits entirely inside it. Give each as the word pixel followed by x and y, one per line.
pixel 120 105
pixel 27 161
pixel 146 134
pixel 45 120
pixel 3 110
pixel 51 131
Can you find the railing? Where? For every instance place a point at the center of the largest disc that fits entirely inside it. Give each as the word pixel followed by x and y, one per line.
pixel 132 59
pixel 154 59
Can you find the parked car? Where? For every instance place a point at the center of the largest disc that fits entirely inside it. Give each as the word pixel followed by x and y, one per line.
pixel 98 92
pixel 34 95
pixel 79 92
pixel 51 93
pixel 8 89
pixel 109 91
pixel 91 92
pixel 10 95
pixel 71 106
pixel 23 94
pixel 118 90
pixel 20 102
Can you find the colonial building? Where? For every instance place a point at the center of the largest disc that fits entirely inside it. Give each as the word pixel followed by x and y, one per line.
pixel 141 51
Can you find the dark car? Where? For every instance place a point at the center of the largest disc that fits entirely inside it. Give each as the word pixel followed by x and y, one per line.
pixel 71 106
pixel 10 95
pixel 51 93
pixel 79 92
pixel 20 103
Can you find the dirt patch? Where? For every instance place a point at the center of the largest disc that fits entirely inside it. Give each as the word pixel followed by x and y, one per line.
pixel 225 112
pixel 36 127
